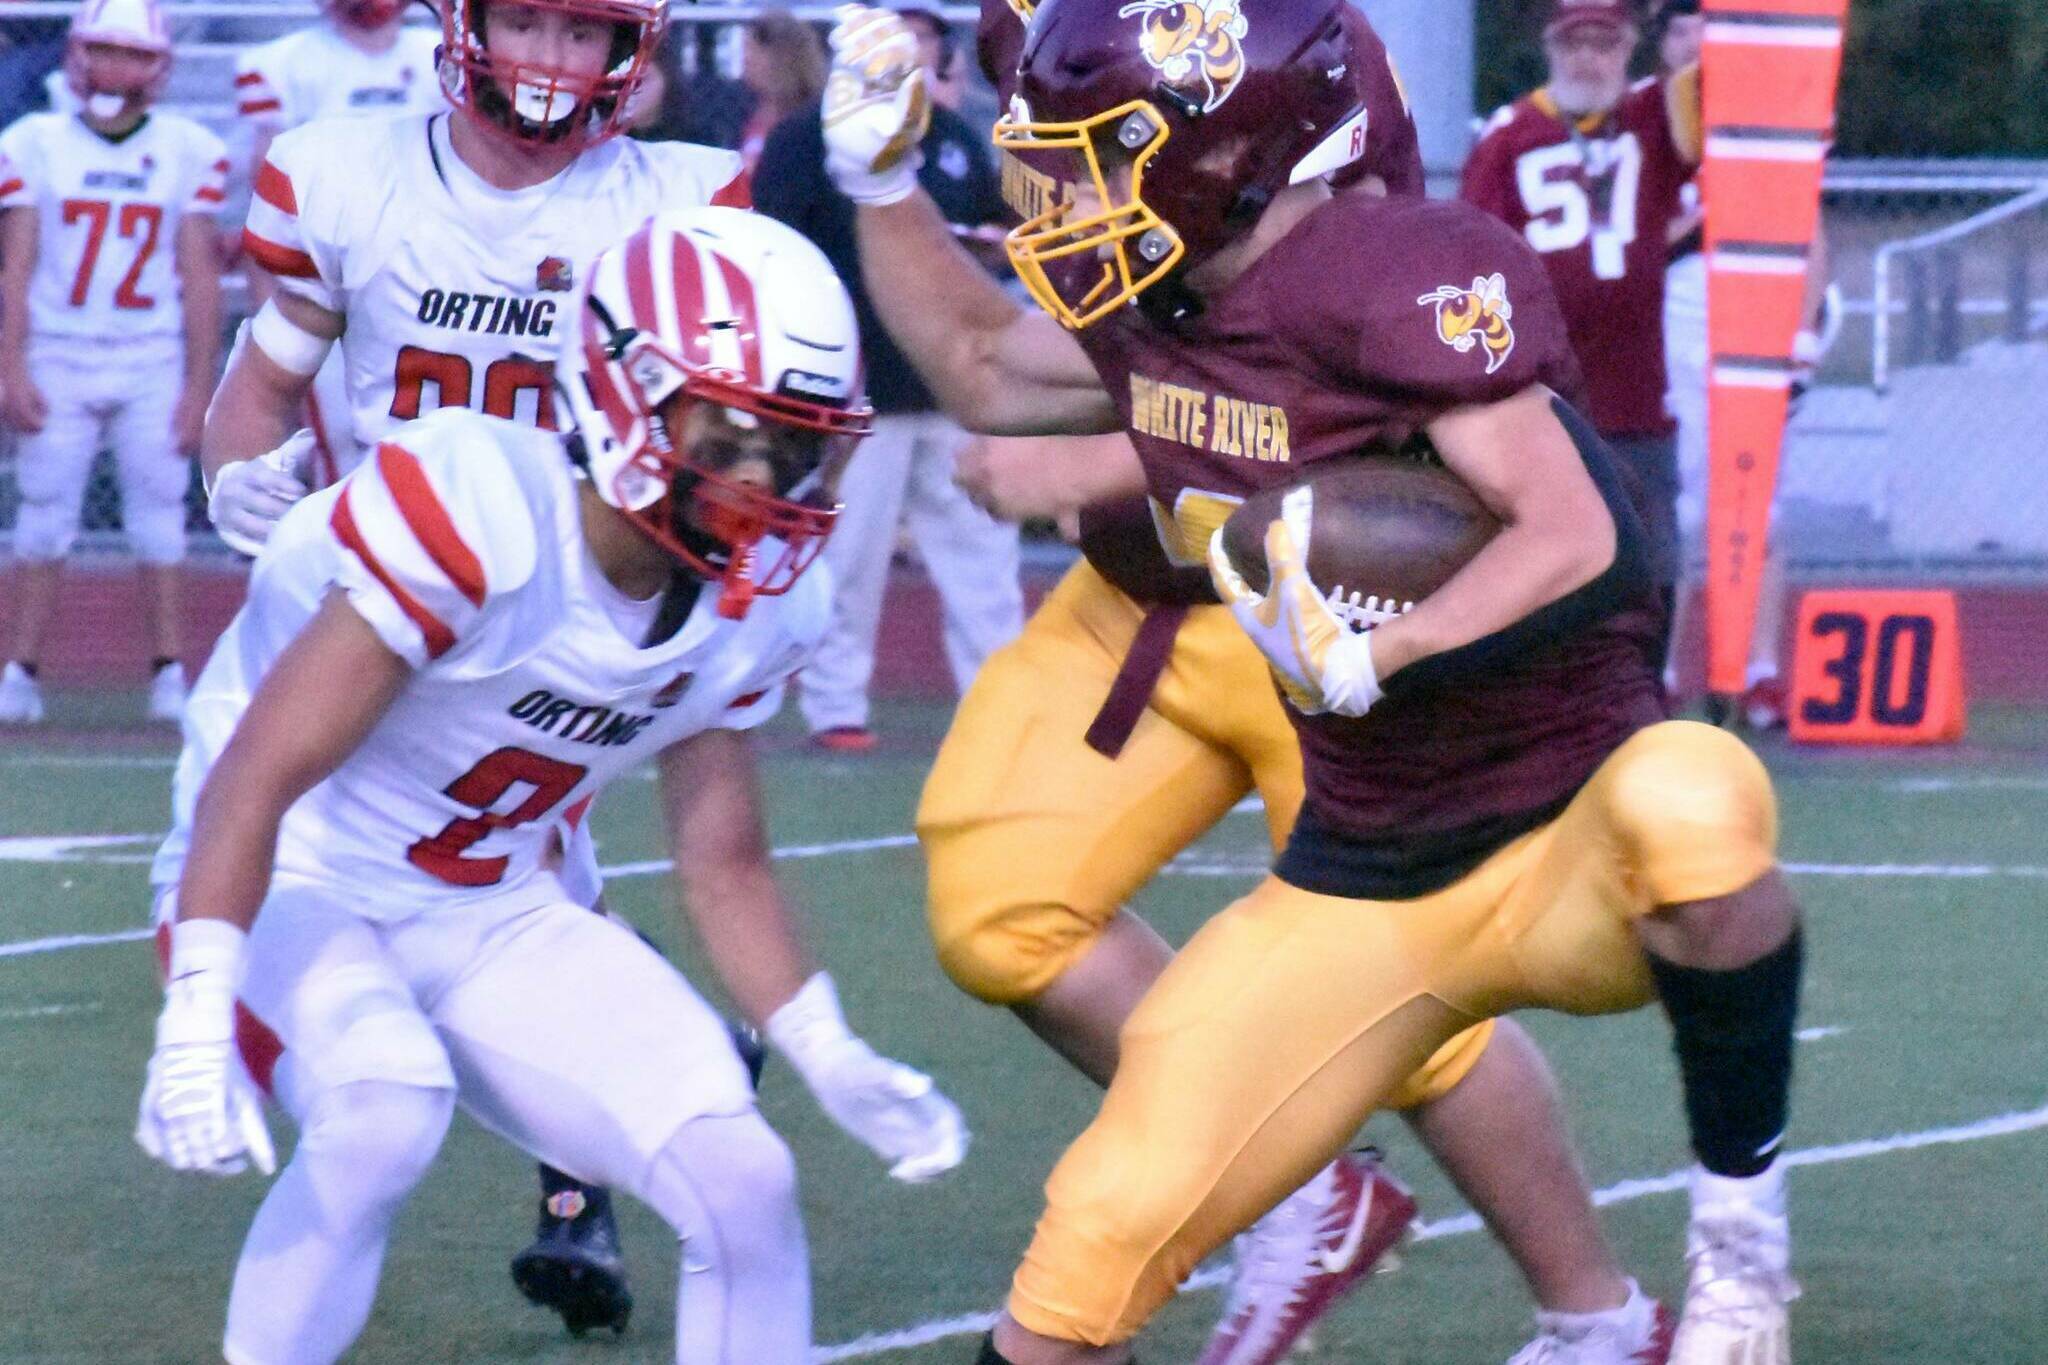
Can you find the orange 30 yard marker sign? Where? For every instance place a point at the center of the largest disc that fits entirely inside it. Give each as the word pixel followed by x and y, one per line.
pixel 1769 69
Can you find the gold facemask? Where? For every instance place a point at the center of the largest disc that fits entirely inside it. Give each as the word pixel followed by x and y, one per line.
pixel 1134 246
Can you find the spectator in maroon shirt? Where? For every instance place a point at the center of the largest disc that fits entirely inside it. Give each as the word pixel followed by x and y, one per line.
pixel 1590 169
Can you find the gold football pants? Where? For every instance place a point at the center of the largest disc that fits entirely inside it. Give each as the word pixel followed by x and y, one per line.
pixel 1033 840
pixel 1291 1017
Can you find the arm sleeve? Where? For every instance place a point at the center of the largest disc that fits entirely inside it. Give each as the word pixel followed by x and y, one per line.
pixel 20 169
pixel 428 536
pixel 210 174
pixel 257 102
pixel 277 237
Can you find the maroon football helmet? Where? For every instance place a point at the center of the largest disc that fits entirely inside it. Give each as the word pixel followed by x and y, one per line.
pixel 1177 121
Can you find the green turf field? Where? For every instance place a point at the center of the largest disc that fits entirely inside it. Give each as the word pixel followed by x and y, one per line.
pixel 1918 1220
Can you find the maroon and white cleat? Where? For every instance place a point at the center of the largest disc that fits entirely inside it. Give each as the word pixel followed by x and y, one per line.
pixel 1300 1260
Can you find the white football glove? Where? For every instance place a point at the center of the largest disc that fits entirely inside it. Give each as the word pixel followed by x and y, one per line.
pixel 1322 663
pixel 893 1109
pixel 199 1112
pixel 247 497
pixel 876 106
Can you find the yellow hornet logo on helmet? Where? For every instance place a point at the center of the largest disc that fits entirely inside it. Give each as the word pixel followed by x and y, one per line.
pixel 1185 38
pixel 1475 317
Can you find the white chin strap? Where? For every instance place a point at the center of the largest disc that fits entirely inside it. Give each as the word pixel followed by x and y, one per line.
pixel 102 105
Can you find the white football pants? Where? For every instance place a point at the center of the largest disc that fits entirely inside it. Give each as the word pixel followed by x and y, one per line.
pixel 552 1026
pixel 104 395
pixel 903 476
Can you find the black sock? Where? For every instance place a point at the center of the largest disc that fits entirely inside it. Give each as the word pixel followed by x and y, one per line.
pixel 160 663
pixel 989 1354
pixel 1733 1034
pixel 25 666
pixel 554 1182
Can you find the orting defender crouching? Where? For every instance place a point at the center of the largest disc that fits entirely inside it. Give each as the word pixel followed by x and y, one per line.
pixel 358 770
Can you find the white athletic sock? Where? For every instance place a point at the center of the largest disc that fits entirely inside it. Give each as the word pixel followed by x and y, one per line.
pixel 309 1265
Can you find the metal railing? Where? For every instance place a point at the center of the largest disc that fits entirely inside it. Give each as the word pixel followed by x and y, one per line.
pixel 1934 288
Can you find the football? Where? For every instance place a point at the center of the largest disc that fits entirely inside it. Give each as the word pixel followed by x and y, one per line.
pixel 1384 532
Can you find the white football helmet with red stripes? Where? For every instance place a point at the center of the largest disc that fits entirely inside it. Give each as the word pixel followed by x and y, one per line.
pixel 539 103
pixel 109 89
pixel 745 317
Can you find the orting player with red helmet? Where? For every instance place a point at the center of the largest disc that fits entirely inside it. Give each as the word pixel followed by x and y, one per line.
pixel 351 901
pixel 441 250
pixel 1496 814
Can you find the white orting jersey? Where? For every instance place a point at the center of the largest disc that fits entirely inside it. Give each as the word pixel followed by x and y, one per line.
pixel 452 290
pixel 318 73
pixel 461 543
pixel 109 210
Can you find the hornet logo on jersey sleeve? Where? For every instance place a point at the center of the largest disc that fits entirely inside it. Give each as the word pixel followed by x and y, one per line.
pixel 1467 319
pixel 1182 39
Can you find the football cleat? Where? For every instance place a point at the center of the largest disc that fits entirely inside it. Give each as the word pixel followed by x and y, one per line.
pixel 1763 704
pixel 574 1266
pixel 167 693
pixel 1637 1333
pixel 845 739
pixel 21 701
pixel 1300 1260
pixel 1740 1288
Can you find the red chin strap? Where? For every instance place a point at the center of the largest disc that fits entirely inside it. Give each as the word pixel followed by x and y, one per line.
pixel 739 516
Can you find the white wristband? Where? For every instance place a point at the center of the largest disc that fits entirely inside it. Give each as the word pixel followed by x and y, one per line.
pixel 207 958
pixel 809 1023
pixel 212 947
pixel 289 346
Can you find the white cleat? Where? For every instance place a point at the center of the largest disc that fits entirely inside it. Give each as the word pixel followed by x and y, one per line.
pixel 21 701
pixel 1637 1333
pixel 1740 1290
pixel 167 693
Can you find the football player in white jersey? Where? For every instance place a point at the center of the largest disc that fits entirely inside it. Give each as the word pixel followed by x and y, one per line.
pixel 111 326
pixel 521 617
pixel 360 59
pixel 438 250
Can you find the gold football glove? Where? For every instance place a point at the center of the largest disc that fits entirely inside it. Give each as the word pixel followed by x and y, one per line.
pixel 876 106
pixel 1323 664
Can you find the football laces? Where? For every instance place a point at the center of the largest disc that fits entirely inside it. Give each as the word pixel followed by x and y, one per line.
pixel 1362 611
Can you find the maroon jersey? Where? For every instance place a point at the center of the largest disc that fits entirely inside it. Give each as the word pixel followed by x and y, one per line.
pixel 1118 539
pixel 1596 199
pixel 1367 321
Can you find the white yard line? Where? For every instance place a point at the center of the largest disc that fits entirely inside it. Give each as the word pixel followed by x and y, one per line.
pixel 2003 1125
pixel 163 761
pixel 62 941
pixel 61 848
pixel 49 1011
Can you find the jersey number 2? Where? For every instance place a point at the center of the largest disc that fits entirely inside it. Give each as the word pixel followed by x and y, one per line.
pixel 142 221
pixel 452 375
pixel 482 787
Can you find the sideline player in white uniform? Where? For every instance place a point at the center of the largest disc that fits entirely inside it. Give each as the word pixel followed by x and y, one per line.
pixel 438 249
pixel 515 633
pixel 360 59
pixel 111 328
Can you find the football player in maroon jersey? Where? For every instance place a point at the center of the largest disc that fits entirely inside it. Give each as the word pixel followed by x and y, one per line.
pixel 1497 815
